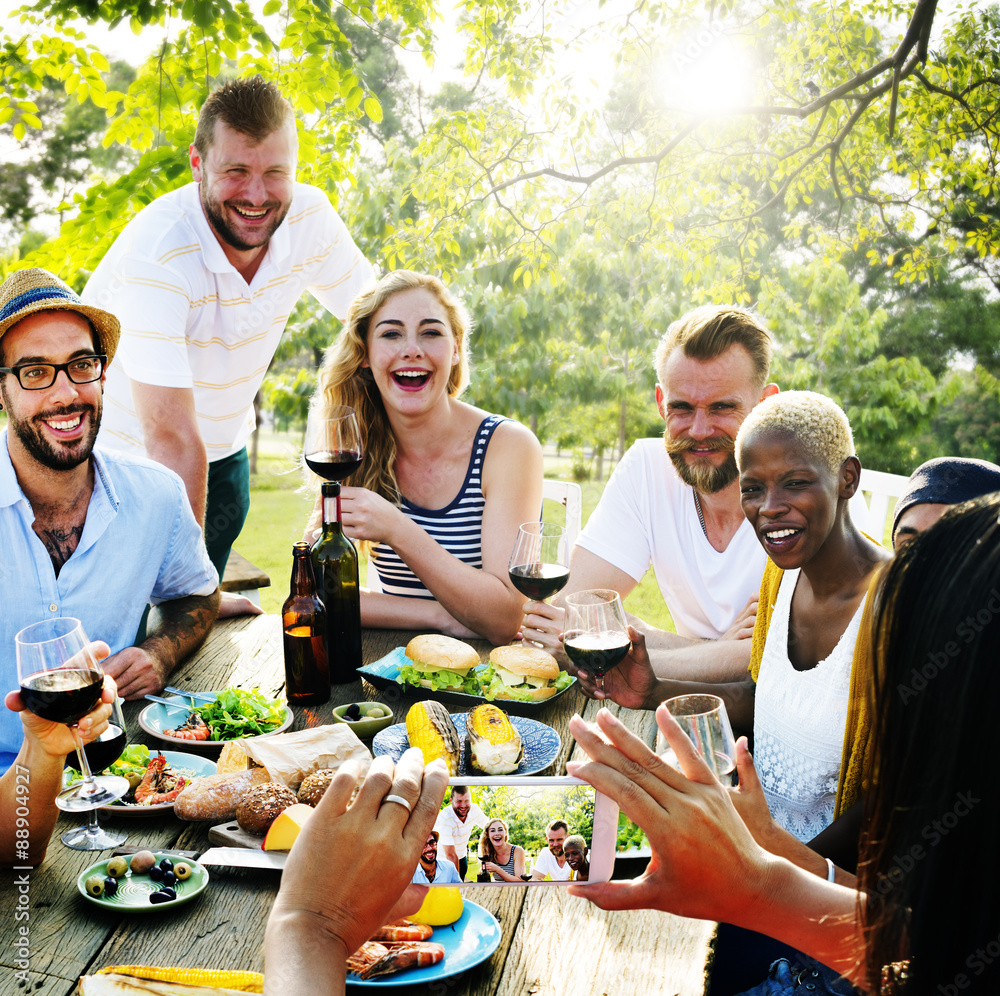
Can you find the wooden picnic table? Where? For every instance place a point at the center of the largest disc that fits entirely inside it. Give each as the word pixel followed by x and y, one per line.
pixel 552 945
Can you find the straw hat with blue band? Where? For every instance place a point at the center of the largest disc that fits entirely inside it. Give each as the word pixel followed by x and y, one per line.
pixel 26 291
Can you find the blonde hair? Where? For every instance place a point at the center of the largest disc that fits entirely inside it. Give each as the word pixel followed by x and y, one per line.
pixel 486 849
pixel 343 380
pixel 815 421
pixel 707 332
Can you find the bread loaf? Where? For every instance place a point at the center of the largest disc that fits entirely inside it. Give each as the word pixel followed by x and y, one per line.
pixel 215 797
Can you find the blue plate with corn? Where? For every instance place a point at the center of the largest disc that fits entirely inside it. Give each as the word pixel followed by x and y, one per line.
pixel 483 741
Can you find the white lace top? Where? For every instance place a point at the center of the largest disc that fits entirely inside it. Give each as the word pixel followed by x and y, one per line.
pixel 799 722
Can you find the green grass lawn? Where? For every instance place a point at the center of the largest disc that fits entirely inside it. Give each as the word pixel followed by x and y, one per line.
pixel 278 513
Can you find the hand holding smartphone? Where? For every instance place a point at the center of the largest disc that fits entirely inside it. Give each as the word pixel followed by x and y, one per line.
pixel 520 831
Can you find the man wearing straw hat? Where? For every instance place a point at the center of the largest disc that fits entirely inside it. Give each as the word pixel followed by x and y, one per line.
pixel 86 533
pixel 204 280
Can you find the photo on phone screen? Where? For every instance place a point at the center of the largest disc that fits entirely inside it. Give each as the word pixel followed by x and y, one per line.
pixel 517 831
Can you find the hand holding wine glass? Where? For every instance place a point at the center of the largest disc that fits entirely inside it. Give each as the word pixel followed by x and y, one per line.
pixel 333 448
pixel 596 636
pixel 61 680
pixel 539 562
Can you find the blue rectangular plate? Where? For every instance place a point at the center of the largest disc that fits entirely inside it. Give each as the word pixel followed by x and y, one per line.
pixel 384 672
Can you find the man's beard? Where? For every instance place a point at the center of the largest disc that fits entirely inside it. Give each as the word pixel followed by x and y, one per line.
pixel 556 850
pixel 703 477
pixel 50 455
pixel 225 232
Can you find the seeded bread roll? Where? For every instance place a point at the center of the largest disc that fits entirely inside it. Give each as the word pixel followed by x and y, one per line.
pixel 259 808
pixel 313 786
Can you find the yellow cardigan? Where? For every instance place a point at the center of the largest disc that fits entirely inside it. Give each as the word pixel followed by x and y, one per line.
pixel 855 762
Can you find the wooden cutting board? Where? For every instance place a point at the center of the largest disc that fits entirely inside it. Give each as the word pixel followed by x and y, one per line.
pixel 230 835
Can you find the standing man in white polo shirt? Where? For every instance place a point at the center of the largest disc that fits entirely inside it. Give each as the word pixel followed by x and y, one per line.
pixel 204 280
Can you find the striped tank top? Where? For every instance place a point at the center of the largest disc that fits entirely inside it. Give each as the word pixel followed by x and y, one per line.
pixel 457 527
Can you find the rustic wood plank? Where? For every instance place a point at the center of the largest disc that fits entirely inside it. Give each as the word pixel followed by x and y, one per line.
pixel 240 574
pixel 567 947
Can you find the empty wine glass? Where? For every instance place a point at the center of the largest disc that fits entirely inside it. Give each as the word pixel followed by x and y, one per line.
pixel 61 680
pixel 705 720
pixel 333 448
pixel 596 634
pixel 101 753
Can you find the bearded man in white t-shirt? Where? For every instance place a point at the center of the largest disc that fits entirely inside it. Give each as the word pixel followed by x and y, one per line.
pixel 674 503
pixel 551 864
pixel 204 280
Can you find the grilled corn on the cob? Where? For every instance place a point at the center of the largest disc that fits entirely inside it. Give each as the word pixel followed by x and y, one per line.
pixel 430 727
pixel 494 745
pixel 251 982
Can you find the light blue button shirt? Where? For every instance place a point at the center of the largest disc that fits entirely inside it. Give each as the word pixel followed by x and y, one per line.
pixel 140 544
pixel 445 874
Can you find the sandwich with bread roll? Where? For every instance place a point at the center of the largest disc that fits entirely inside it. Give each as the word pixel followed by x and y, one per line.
pixel 522 673
pixel 441 663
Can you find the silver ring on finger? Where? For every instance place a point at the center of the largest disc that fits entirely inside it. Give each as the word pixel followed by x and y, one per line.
pixel 400 800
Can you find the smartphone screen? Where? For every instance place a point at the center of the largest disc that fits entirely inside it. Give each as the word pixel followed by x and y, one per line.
pixel 517 831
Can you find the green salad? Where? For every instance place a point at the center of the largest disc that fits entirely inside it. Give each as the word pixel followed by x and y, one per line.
pixel 238 712
pixel 131 765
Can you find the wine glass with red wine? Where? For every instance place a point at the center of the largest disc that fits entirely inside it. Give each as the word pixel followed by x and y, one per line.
pixel 333 447
pixel 595 637
pixel 61 681
pixel 539 562
pixel 100 753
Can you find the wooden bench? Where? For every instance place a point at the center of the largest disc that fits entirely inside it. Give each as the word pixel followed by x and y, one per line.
pixel 243 577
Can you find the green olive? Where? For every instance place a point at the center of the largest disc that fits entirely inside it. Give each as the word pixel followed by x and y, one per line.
pixel 117 867
pixel 182 871
pixel 376 712
pixel 94 885
pixel 133 780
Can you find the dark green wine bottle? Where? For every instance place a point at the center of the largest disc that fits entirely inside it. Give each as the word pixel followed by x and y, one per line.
pixel 335 562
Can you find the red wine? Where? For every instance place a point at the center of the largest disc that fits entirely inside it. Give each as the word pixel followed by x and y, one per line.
pixel 596 653
pixel 104 751
pixel 334 466
pixel 539 581
pixel 62 696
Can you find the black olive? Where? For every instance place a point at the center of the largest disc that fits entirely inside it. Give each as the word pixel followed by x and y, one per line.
pixel 169 878
pixel 110 886
pixel 156 873
pixel 169 892
pixel 167 865
pixel 353 712
pixel 159 897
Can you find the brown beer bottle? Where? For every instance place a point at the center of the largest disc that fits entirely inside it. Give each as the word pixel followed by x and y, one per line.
pixel 336 564
pixel 303 619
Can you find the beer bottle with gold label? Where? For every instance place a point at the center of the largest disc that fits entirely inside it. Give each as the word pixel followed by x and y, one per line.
pixel 303 619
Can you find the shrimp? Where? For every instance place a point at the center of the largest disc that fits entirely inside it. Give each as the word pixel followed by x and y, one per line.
pixel 193 728
pixel 401 956
pixel 159 785
pixel 403 930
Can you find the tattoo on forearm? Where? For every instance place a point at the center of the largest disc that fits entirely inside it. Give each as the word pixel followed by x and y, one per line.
pixel 61 543
pixel 185 622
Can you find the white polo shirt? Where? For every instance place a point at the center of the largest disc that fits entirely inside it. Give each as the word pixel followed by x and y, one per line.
pixel 190 320
pixel 453 831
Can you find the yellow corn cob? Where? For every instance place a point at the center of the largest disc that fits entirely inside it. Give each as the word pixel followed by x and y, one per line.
pixel 494 745
pixel 249 982
pixel 430 727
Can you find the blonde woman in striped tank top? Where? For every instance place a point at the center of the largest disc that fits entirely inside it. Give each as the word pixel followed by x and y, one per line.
pixel 443 485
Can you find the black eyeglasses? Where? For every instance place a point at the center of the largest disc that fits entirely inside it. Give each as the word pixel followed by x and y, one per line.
pixel 38 376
